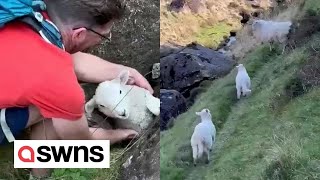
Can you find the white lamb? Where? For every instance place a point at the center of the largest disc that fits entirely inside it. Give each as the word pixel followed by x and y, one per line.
pixel 243 82
pixel 203 137
pixel 132 106
pixel 271 31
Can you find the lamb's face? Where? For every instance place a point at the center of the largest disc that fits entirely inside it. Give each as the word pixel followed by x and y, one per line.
pixel 204 114
pixel 110 98
pixel 240 67
pixel 256 26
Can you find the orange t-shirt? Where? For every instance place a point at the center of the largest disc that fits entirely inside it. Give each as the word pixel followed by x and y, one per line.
pixel 34 72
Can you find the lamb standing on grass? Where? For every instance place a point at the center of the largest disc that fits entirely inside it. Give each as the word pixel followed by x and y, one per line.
pixel 132 106
pixel 271 31
pixel 203 137
pixel 243 82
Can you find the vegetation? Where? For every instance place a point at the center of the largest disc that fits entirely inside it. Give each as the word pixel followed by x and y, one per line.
pixel 272 134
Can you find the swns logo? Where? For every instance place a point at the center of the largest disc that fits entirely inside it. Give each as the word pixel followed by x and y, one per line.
pixel 61 154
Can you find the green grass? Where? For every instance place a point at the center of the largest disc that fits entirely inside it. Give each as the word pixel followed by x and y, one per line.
pixel 269 135
pixel 312 7
pixel 213 35
pixel 94 174
pixel 9 173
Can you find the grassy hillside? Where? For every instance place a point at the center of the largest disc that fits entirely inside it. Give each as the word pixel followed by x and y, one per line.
pixel 273 134
pixel 214 20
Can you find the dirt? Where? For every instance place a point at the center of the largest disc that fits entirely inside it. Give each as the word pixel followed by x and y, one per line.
pixel 135 39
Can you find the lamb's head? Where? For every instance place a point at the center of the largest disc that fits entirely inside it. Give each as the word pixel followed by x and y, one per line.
pixel 240 67
pixel 109 97
pixel 256 24
pixel 204 114
pixel 256 27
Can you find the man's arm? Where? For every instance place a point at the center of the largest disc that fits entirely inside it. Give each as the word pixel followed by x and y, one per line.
pixel 79 130
pixel 90 68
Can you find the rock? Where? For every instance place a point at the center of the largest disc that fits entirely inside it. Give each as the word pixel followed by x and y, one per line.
pixel 135 43
pixel 172 104
pixel 176 5
pixel 156 71
pixel 169 48
pixel 145 161
pixel 193 64
pixel 128 162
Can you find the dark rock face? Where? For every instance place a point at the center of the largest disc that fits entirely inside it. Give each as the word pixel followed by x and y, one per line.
pixel 183 72
pixel 172 104
pixel 245 17
pixel 145 161
pixel 192 65
pixel 135 43
pixel 168 49
pixel 176 5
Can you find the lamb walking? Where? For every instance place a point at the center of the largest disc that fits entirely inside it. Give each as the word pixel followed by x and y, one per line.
pixel 203 137
pixel 271 31
pixel 243 82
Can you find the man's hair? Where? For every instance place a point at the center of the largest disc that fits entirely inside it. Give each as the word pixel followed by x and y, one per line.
pixel 85 12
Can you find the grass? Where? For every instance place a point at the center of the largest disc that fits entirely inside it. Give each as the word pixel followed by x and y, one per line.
pixel 212 36
pixel 183 28
pixel 255 140
pixel 312 7
pixel 274 134
pixel 94 174
pixel 8 172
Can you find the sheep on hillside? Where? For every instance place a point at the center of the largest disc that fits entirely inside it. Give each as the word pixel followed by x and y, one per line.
pixel 271 31
pixel 132 106
pixel 243 82
pixel 203 137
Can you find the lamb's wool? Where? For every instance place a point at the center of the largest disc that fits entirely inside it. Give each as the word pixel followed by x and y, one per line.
pixel 266 31
pixel 133 106
pixel 204 136
pixel 243 82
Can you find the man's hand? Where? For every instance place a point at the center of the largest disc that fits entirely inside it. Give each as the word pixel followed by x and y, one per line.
pixel 139 80
pixel 129 134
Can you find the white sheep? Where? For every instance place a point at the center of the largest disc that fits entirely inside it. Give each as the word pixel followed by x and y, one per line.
pixel 271 31
pixel 243 82
pixel 132 106
pixel 203 137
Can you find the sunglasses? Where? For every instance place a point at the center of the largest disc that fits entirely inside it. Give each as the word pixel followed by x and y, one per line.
pixel 108 39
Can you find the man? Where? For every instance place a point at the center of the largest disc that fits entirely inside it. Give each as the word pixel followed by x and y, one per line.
pixel 40 81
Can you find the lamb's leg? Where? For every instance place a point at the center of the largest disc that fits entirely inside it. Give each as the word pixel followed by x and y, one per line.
pixel 200 149
pixel 206 150
pixel 195 154
pixel 283 48
pixel 270 46
pixel 238 92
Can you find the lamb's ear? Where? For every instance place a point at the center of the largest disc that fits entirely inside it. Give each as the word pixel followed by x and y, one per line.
pixel 198 113
pixel 153 104
pixel 123 77
pixel 90 105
